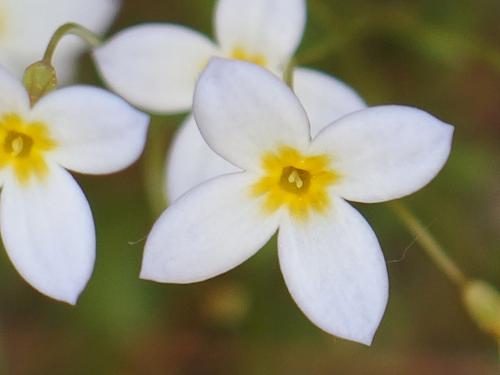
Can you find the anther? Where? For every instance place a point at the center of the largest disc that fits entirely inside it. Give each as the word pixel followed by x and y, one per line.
pixel 17 145
pixel 294 178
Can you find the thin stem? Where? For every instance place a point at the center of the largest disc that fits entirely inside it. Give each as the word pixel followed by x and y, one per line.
pixel 74 29
pixel 429 243
pixel 288 74
pixel 154 164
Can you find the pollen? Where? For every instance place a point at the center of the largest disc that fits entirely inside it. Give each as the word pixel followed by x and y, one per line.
pixel 23 147
pixel 298 182
pixel 239 53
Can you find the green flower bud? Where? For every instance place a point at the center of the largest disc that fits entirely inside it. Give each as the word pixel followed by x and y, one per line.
pixel 39 79
pixel 483 303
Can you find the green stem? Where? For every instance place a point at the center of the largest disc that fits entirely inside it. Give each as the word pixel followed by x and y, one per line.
pixel 288 74
pixel 74 29
pixel 154 164
pixel 429 244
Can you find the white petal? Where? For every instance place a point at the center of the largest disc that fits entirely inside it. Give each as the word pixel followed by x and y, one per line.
pixel 27 26
pixel 243 111
pixel 155 66
pixel 208 231
pixel 385 152
pixel 335 271
pixel 191 162
pixel 13 96
pixel 271 28
pixel 95 131
pixel 48 232
pixel 324 98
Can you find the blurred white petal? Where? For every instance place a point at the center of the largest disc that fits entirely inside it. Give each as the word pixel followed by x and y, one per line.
pixel 27 26
pixel 271 28
pixel 190 161
pixel 13 95
pixel 155 66
pixel 324 98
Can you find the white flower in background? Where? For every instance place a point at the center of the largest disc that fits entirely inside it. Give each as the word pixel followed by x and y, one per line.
pixel 190 161
pixel 27 25
pixel 330 258
pixel 45 220
pixel 155 66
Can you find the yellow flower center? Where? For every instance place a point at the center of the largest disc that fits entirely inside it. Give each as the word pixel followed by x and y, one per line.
pixel 22 147
pixel 239 53
pixel 296 181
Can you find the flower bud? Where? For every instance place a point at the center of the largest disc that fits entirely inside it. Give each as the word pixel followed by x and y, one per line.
pixel 483 303
pixel 39 79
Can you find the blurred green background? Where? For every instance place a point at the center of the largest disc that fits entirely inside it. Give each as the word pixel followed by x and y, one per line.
pixel 441 56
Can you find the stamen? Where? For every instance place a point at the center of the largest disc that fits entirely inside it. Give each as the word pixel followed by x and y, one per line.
pixel 294 177
pixel 17 145
pixel 295 180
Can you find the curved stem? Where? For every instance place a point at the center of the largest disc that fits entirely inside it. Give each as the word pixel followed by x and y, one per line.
pixel 429 244
pixel 74 29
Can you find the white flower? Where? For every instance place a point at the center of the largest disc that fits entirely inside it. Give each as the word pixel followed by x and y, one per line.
pixel 190 161
pixel 330 258
pixel 27 25
pixel 45 220
pixel 155 66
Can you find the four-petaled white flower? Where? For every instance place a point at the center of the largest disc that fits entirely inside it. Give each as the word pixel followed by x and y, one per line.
pixel 45 220
pixel 27 25
pixel 330 258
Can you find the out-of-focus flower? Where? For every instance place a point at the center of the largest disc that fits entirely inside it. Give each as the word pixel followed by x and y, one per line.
pixel 225 304
pixel 45 220
pixel 330 258
pixel 27 25
pixel 155 66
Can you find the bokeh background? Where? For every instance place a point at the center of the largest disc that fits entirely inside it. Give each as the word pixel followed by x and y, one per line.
pixel 441 56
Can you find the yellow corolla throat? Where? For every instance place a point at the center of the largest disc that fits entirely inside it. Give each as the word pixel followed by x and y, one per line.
pixel 239 53
pixel 296 181
pixel 23 146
